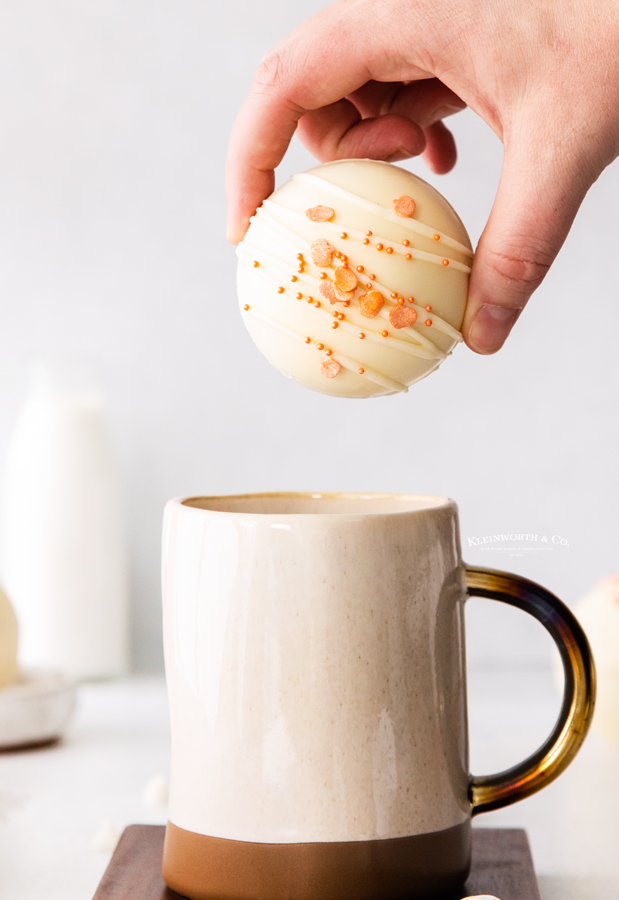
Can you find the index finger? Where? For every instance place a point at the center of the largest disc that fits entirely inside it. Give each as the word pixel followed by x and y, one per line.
pixel 301 74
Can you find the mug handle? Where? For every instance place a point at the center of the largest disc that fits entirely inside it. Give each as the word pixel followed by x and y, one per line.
pixel 488 792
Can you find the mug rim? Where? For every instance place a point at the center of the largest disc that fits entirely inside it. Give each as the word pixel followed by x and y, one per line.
pixel 196 503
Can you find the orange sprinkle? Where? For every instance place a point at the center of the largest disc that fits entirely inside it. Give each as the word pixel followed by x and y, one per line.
pixel 445 262
pixel 394 295
pixel 402 318
pixel 344 258
pixel 437 237
pixel 406 242
pixel 404 206
pixel 308 340
pixel 293 278
pixel 317 304
pixel 371 277
pixel 256 264
pixel 301 269
pixel 330 367
pixel 428 321
pixel 379 246
pixel 335 324
pixel 360 268
pixel 299 256
pixel 385 333
pixel 369 285
pixel 328 352
pixel 408 256
pixel 411 299
pixel 246 306
pixel 340 316
pixel 310 299
pixel 280 290
pixel 401 300
pixel 389 250
pixel 360 371
pixel 346 303
pixel 369 233
pixel 320 213
pixel 361 335
pixel 343 235
pixel 366 241
pixel 323 275
pixel 299 296
pixel 337 254
pixel 429 308
pixel 320 346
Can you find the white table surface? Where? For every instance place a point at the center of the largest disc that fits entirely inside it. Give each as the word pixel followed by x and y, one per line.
pixel 53 800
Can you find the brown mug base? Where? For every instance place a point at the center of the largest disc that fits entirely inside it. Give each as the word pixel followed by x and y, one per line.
pixel 420 867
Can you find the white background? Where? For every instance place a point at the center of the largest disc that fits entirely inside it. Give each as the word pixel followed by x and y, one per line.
pixel 114 119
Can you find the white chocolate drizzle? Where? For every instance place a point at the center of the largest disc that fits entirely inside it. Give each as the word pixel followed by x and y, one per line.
pixel 295 240
pixel 345 361
pixel 378 210
pixel 377 239
pixel 420 346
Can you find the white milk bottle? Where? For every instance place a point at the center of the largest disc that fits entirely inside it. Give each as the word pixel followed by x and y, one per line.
pixel 64 560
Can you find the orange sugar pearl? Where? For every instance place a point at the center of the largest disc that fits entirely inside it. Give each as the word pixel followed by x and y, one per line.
pixel 323 275
pixel 445 262
pixel 360 268
pixel 293 278
pixel 341 316
pixel 344 259
pixel 337 254
pixel 379 246
pixel 389 250
pixel 328 352
pixel 400 300
pixel 385 333
pixel 301 269
pixel 335 324
pixel 256 264
pixel 299 296
pixel 406 242
pixel 346 303
pixel 394 295
pixel 320 346
pixel 299 256
pixel 408 256
pixel 437 237
pixel 428 322
pixel 361 335
pixel 411 299
pixel 308 340
pixel 369 285
pixel 280 289
pixel 428 308
pixel 246 306
pixel 343 235
pixel 360 371
pixel 317 304
pixel 371 277
pixel 310 300
pixel 366 241
pixel 369 233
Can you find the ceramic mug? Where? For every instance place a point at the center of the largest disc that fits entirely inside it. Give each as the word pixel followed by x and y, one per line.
pixel 314 649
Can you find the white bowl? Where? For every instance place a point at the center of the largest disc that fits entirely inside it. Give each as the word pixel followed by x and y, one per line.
pixel 36 708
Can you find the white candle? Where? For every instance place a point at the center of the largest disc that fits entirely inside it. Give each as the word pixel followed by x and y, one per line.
pixel 63 536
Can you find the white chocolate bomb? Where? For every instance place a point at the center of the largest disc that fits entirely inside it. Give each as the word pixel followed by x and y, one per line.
pixel 353 278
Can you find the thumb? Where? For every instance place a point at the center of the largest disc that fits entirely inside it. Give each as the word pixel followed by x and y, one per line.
pixel 538 197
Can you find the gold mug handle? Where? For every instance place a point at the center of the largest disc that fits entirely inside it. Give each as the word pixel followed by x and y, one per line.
pixel 488 792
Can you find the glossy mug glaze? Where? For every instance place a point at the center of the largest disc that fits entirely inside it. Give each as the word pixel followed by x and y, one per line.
pixel 315 662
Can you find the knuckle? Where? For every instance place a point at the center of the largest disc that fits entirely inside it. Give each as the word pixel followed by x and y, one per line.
pixel 269 74
pixel 527 268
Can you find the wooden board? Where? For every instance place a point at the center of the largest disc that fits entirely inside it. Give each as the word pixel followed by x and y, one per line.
pixel 502 866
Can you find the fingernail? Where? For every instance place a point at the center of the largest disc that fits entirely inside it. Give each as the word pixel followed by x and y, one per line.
pixel 491 326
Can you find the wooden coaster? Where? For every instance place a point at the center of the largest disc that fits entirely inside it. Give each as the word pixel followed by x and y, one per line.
pixel 502 866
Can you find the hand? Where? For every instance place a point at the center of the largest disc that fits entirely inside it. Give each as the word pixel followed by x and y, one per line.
pixel 375 78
